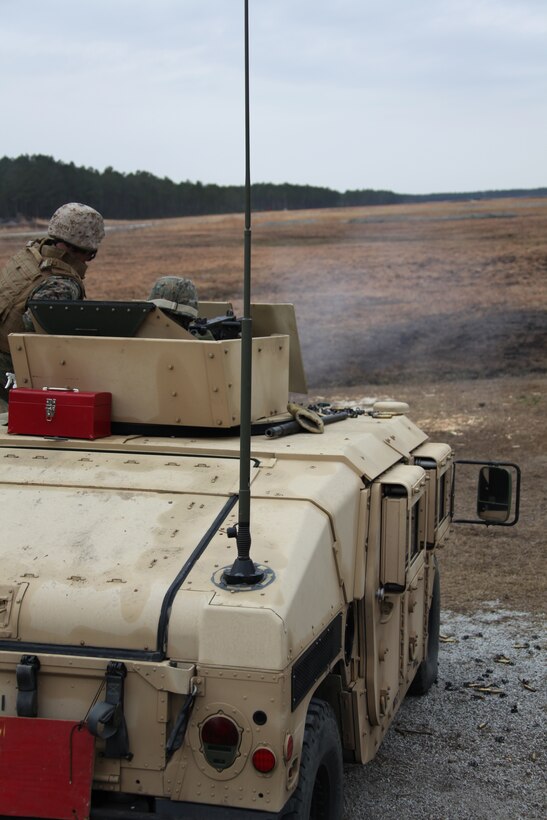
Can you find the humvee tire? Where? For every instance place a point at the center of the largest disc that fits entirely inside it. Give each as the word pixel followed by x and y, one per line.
pixel 319 794
pixel 426 675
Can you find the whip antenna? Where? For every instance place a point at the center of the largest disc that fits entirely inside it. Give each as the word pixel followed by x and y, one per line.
pixel 243 570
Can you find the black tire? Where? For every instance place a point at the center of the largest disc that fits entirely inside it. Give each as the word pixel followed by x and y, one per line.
pixel 427 672
pixel 319 794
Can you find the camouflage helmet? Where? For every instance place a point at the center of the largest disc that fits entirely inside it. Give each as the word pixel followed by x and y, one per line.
pixel 177 294
pixel 77 224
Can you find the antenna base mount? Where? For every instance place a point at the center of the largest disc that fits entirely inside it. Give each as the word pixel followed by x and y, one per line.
pixel 243 570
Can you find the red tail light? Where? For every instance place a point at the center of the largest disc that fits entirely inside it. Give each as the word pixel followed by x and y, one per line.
pixel 288 748
pixel 220 738
pixel 264 760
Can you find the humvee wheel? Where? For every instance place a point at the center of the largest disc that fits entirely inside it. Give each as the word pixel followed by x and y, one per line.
pixel 318 795
pixel 427 670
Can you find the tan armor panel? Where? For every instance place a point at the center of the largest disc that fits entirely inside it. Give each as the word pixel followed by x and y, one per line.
pixel 159 381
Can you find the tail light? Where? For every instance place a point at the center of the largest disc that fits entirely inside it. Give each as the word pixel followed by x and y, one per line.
pixel 220 739
pixel 288 748
pixel 263 760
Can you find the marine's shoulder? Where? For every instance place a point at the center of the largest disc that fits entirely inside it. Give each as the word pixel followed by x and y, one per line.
pixel 57 286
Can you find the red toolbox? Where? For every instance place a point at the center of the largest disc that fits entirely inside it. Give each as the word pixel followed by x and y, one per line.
pixel 59 412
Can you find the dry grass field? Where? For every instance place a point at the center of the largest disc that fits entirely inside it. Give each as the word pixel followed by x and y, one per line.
pixel 442 305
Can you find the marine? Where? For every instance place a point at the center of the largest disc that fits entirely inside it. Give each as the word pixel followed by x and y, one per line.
pixel 178 298
pixel 51 267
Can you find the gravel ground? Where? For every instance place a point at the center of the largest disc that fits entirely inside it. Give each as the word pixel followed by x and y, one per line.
pixel 461 752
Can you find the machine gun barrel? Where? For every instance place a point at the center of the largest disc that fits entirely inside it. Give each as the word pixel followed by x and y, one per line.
pixel 220 327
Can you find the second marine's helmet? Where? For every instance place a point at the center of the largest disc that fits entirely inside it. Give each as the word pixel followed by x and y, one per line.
pixel 181 293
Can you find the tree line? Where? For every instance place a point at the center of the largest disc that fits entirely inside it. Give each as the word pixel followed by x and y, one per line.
pixel 34 186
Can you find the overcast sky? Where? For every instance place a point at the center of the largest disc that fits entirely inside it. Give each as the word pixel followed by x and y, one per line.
pixel 408 95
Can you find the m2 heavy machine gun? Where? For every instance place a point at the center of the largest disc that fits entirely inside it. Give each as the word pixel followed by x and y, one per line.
pixel 152 666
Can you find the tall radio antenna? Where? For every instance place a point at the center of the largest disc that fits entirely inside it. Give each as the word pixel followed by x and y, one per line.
pixel 243 570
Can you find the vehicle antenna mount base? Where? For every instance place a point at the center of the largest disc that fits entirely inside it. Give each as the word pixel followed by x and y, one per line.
pixel 243 570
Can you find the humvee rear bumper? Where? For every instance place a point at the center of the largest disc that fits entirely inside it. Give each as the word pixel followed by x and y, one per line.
pixel 47 771
pixel 186 811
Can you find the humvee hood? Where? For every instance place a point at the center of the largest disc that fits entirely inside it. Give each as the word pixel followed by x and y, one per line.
pixel 96 541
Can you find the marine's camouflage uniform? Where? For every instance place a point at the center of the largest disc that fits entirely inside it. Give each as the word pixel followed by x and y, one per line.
pixel 39 271
pixel 56 287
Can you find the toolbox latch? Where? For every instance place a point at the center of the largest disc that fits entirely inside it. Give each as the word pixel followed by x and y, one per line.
pixel 51 406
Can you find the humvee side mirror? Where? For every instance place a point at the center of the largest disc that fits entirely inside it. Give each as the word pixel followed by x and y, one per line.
pixel 497 492
pixel 494 494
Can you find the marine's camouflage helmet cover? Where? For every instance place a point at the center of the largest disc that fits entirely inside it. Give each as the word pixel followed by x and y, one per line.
pixel 182 292
pixel 78 225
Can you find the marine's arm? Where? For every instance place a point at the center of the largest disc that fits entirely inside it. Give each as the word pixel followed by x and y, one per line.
pixel 56 287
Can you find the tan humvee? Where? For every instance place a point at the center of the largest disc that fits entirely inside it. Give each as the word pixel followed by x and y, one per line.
pixel 134 681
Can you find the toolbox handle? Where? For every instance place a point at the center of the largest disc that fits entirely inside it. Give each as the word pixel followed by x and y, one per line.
pixel 63 389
